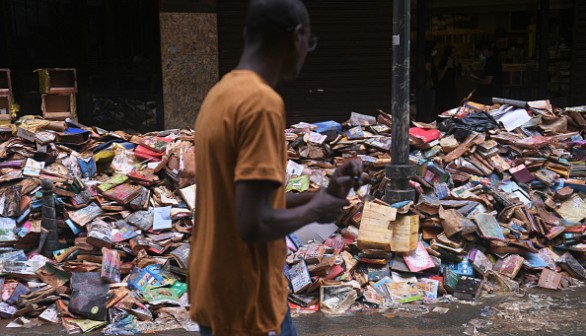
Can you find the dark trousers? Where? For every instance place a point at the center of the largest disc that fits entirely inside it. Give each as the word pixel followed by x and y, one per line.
pixel 287 327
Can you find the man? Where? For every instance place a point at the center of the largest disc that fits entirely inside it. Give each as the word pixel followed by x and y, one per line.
pixel 238 250
pixel 490 81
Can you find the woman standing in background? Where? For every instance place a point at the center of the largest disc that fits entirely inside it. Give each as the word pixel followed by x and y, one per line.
pixel 446 97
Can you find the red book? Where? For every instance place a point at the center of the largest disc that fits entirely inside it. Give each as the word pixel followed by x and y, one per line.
pixel 334 272
pixel 123 193
pixel 155 144
pixel 147 154
pixel 423 136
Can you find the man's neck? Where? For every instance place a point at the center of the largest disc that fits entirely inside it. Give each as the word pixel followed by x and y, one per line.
pixel 265 65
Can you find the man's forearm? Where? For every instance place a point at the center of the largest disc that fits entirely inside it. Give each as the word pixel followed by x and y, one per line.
pixel 298 199
pixel 277 223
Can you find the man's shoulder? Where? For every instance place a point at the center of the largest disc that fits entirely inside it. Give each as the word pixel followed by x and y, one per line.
pixel 247 87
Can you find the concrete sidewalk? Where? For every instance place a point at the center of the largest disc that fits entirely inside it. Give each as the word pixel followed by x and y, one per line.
pixel 537 313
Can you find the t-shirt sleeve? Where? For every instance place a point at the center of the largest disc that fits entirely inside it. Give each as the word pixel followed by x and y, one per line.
pixel 260 145
pixel 492 68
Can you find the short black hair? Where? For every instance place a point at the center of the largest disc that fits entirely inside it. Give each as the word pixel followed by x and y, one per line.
pixel 484 45
pixel 267 20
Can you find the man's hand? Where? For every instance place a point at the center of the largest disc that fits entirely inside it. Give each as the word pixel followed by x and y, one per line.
pixel 327 208
pixel 346 177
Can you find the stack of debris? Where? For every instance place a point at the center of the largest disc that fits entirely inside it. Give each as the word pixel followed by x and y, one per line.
pixel 104 238
pixel 500 206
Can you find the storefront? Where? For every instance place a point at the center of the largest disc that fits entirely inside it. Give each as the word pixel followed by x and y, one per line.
pixel 113 45
pixel 537 42
pixel 147 64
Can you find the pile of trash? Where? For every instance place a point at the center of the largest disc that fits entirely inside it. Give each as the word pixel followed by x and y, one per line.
pixel 95 227
pixel 500 207
pixel 95 224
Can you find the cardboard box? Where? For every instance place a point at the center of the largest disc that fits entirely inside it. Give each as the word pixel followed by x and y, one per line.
pixel 5 109
pixel 58 107
pixel 58 81
pixel 5 82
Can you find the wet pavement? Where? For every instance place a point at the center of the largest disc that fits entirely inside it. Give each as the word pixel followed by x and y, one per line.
pixel 538 312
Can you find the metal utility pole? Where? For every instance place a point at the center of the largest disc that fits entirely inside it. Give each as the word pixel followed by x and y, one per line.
pixel 400 171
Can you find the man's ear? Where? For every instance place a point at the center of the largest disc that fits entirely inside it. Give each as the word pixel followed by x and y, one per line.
pixel 297 33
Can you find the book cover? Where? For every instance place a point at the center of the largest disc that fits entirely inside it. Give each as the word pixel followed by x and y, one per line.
pixel 162 218
pixel 155 144
pixel 110 265
pixel 468 288
pixel 403 292
pixel 7 226
pixel 419 259
pixel 141 201
pixel 33 168
pixel 73 136
pixel 85 215
pixel 142 152
pixel 549 279
pixel 123 193
pixel 313 253
pixel 112 182
pixel 510 265
pixel 429 288
pixel 82 198
pixel 489 226
pixel 181 254
pixel 189 195
pixel 299 276
pixel 100 234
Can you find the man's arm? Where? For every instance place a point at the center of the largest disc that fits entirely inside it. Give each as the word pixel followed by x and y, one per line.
pixel 257 220
pixel 486 80
pixel 298 199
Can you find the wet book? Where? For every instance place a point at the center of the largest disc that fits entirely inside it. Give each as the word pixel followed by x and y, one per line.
pixel 141 201
pixel 89 295
pixel 510 265
pixel 468 289
pixel 572 266
pixel 419 259
pixel 73 136
pixel 299 276
pixel 155 144
pixel 85 215
pixel 82 198
pixel 123 193
pixel 100 234
pixel 188 194
pixel 181 255
pixel 112 182
pixel 375 230
pixel 142 219
pixel 110 265
pixel 549 279
pixel 312 253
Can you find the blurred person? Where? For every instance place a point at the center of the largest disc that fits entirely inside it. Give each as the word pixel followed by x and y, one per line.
pixel 238 250
pixel 446 94
pixel 428 95
pixel 490 80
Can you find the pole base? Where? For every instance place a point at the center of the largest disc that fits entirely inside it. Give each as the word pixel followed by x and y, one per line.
pixel 394 196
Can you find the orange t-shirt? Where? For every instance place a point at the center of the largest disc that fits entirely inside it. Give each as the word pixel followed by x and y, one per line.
pixel 234 287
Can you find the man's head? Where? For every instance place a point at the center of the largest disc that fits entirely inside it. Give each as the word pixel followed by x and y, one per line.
pixel 484 49
pixel 281 25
